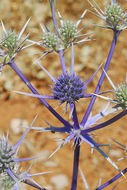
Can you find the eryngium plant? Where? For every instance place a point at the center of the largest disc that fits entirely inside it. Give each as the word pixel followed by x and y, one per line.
pixel 11 176
pixel 68 88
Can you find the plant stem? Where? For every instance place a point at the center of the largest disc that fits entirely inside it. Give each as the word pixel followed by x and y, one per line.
pixel 115 37
pixel 33 185
pixel 75 118
pixel 61 52
pixel 75 166
pixel 112 180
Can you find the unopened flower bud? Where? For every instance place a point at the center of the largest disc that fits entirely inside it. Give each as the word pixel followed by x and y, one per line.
pixel 115 15
pixel 50 40
pixel 10 42
pixel 121 95
pixel 68 31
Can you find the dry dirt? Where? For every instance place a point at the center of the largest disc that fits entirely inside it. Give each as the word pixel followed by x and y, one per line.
pixel 87 58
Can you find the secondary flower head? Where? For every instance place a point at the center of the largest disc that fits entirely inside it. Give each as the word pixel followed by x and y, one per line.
pixel 113 15
pixel 9 160
pixel 7 155
pixel 9 183
pixel 10 43
pixel 68 88
pixel 121 95
pixel 6 182
pixel 50 40
pixel 69 31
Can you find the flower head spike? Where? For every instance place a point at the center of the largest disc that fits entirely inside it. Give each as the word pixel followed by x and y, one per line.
pixel 10 42
pixel 113 15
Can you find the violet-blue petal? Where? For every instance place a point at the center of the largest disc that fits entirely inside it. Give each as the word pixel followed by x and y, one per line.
pixel 87 82
pixel 24 159
pixel 35 95
pixel 22 138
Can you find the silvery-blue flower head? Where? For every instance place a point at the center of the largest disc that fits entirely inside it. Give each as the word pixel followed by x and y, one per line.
pixel 68 88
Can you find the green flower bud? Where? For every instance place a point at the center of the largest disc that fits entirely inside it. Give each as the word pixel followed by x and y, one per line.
pixel 10 42
pixel 121 95
pixel 68 31
pixel 6 182
pixel 6 156
pixel 50 40
pixel 115 15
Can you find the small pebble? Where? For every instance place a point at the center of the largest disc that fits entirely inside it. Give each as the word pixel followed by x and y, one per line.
pixel 115 153
pixel 51 164
pixel 43 155
pixel 17 125
pixel 59 181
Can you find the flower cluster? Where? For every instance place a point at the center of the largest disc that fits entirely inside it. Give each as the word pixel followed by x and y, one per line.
pixel 11 175
pixel 66 34
pixel 66 88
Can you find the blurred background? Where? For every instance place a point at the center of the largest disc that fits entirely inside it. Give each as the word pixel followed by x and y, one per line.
pixel 17 111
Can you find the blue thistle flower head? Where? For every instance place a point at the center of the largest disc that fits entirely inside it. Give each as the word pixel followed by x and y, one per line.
pixel 68 88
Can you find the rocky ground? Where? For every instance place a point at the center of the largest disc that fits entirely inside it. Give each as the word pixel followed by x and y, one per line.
pixel 17 111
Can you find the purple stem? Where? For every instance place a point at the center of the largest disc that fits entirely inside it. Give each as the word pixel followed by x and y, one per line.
pixel 112 180
pixel 62 61
pixel 115 37
pixel 75 118
pixel 61 52
pixel 114 1
pixel 33 185
pixel 75 166
pixel 53 15
pixel 44 102
pixel 106 123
